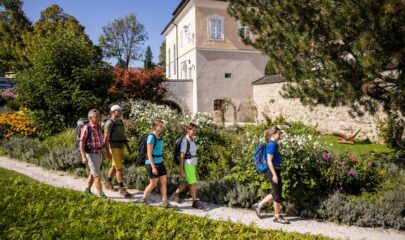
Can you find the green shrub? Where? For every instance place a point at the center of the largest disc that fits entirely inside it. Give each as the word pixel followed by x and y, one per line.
pixel 26 149
pixel 50 208
pixel 299 128
pixel 62 159
pixel 65 139
pixel 338 208
pixel 136 177
pixel 391 129
pixel 13 104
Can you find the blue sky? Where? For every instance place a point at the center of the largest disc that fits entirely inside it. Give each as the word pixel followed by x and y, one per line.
pixel 94 14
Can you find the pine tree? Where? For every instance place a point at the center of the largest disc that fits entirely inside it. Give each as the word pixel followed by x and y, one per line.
pixel 162 54
pixel 148 62
pixel 333 52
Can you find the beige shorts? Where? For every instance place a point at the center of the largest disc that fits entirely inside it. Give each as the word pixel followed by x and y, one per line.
pixel 95 160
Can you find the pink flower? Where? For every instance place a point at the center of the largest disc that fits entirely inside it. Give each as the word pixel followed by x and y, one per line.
pixel 353 159
pixel 370 164
pixel 352 173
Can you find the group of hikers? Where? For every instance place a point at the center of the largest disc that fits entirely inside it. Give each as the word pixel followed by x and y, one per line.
pixel 97 142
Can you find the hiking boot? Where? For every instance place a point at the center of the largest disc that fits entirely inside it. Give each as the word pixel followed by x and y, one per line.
pixel 258 210
pixel 175 198
pixel 124 193
pixel 199 205
pixel 109 186
pixel 103 196
pixel 281 219
pixel 87 191
pixel 166 204
pixel 144 201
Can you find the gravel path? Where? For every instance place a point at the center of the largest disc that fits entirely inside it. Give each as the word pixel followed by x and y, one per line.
pixel 217 212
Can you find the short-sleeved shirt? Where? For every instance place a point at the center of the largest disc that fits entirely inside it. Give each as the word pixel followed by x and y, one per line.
pixel 157 150
pixel 117 135
pixel 95 140
pixel 193 150
pixel 272 149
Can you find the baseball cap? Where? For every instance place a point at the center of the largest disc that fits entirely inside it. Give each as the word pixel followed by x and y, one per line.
pixel 116 107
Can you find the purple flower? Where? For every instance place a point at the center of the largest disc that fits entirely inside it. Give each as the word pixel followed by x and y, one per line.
pixel 342 165
pixel 325 156
pixel 352 173
pixel 370 164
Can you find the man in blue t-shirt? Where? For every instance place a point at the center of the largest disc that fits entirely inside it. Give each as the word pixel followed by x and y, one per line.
pixel 274 160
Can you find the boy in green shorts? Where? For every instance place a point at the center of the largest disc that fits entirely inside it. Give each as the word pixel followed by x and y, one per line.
pixel 188 163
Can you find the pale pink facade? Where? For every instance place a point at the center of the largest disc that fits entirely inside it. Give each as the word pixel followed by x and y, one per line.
pixel 206 60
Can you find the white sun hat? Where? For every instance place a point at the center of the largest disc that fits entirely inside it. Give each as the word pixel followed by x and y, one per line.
pixel 116 107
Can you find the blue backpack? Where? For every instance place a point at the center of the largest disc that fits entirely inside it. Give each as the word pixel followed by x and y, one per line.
pixel 260 158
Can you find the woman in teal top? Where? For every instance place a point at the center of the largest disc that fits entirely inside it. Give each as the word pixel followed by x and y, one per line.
pixel 154 164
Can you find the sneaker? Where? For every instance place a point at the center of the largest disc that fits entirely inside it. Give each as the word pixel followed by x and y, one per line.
pixel 175 198
pixel 257 210
pixel 199 205
pixel 125 193
pixel 88 191
pixel 109 186
pixel 281 219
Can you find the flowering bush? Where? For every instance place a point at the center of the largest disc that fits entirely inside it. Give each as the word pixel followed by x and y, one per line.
pixel 7 95
pixel 12 125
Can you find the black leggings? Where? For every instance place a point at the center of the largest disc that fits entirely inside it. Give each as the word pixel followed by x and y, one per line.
pixel 276 187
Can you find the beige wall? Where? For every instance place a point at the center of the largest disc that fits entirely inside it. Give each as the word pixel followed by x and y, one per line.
pixel 245 68
pixel 325 119
pixel 231 31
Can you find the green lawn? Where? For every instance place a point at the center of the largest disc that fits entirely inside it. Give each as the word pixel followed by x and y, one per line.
pixel 359 148
pixel 31 210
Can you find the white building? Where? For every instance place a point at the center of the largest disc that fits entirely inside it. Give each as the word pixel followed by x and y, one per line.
pixel 206 61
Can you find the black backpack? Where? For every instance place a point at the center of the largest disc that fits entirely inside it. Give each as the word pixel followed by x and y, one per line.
pixel 81 123
pixel 142 148
pixel 177 152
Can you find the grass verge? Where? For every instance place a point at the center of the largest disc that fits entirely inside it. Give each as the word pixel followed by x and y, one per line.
pixel 32 210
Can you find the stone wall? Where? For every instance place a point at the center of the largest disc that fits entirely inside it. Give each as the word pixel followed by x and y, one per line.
pixel 327 120
pixel 181 93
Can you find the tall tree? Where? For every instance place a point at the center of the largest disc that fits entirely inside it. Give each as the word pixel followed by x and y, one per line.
pixel 336 52
pixel 66 76
pixel 162 54
pixel 13 25
pixel 122 39
pixel 148 62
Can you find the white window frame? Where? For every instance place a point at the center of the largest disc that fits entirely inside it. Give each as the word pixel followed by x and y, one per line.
pixel 174 59
pixel 181 39
pixel 222 33
pixel 246 31
pixel 168 63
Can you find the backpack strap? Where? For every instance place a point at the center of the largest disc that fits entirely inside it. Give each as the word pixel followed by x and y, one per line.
pixel 154 145
pixel 188 154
